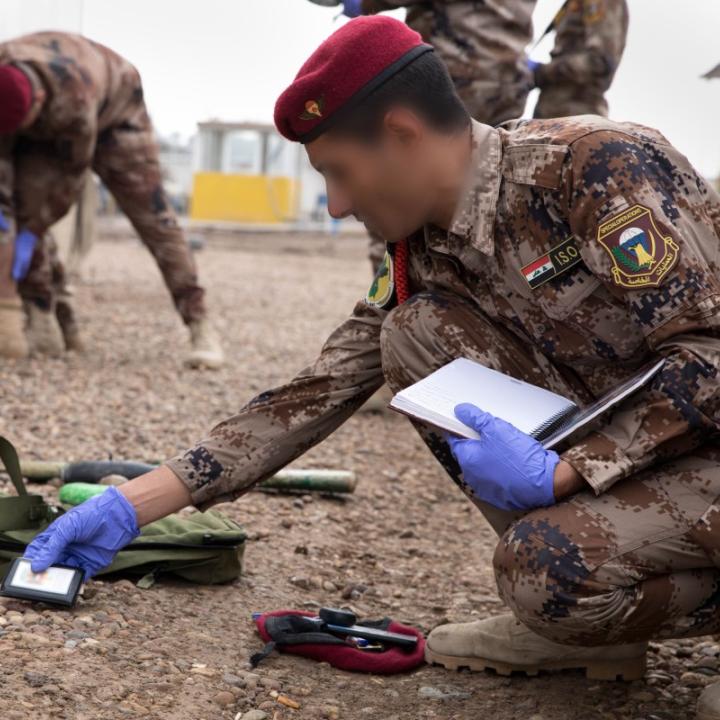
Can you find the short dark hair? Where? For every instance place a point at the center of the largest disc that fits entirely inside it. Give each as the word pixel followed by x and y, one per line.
pixel 424 86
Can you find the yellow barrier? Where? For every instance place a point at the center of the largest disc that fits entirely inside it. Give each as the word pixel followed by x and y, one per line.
pixel 242 198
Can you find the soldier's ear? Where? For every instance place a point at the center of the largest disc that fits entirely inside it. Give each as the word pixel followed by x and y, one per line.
pixel 404 126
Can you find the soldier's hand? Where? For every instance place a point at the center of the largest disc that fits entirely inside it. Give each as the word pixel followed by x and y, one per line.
pixel 88 536
pixel 505 467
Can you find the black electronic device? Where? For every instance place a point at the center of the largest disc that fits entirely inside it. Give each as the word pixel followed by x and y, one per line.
pixel 59 584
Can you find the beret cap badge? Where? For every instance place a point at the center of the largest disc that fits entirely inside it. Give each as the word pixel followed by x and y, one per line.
pixel 313 109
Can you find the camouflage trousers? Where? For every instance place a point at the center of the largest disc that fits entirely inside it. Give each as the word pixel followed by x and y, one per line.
pixel 639 561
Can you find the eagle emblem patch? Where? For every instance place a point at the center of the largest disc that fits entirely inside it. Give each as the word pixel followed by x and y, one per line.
pixel 383 285
pixel 641 254
pixel 313 109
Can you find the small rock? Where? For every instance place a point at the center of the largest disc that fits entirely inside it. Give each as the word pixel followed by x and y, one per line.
pixel 254 715
pixel 270 683
pixel 224 698
pixel 433 693
pixel 643 696
pixel 329 586
pixel 234 680
pixel 35 679
pixel 693 679
pixel 301 581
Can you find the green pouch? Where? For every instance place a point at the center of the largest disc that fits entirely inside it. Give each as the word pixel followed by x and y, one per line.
pixel 204 547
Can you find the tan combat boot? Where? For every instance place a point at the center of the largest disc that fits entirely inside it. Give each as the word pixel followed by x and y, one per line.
pixel 708 707
pixel 206 351
pixel 44 332
pixel 13 343
pixel 505 645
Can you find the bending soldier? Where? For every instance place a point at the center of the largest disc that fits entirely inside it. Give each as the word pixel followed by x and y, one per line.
pixel 68 104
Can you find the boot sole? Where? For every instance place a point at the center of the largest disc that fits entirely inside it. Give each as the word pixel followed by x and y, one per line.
pixel 626 669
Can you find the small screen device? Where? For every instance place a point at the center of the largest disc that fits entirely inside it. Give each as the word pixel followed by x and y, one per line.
pixel 59 584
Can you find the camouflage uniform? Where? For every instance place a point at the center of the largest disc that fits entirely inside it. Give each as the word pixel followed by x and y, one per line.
pixel 589 43
pixel 483 46
pixel 535 278
pixel 93 116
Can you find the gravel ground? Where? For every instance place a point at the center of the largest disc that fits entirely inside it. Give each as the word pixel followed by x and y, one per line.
pixel 406 545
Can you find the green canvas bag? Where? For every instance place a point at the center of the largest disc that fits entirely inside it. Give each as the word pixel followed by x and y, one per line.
pixel 204 547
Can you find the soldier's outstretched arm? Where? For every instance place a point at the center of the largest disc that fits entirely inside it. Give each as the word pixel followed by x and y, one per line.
pixel 273 429
pixel 643 219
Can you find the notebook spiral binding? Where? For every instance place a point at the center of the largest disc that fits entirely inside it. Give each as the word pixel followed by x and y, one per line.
pixel 554 423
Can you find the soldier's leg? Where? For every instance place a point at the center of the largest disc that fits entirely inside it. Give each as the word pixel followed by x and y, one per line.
pixel 37 290
pixel 64 301
pixel 429 331
pixel 638 562
pixel 127 161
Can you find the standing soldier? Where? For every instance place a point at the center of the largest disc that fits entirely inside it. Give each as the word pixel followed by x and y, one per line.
pixel 483 46
pixel 612 542
pixel 68 105
pixel 589 43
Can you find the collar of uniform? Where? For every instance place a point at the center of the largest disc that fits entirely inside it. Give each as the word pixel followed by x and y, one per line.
pixel 475 214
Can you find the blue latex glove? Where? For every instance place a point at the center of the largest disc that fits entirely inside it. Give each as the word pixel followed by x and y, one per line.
pixel 533 65
pixel 352 8
pixel 506 467
pixel 88 536
pixel 4 224
pixel 24 247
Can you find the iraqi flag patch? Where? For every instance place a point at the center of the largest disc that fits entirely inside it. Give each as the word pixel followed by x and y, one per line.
pixel 555 261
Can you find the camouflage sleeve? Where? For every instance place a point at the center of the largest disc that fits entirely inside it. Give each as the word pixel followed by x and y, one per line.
pixel 605 24
pixel 642 216
pixel 279 425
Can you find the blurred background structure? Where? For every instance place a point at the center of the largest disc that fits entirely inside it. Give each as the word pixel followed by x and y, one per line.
pixel 212 71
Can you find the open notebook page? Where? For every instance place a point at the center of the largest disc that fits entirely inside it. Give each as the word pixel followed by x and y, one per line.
pixel 434 398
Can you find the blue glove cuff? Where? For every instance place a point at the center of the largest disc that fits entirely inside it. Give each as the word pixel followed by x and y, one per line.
pixel 120 510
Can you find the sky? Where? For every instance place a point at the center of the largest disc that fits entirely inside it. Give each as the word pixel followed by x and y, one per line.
pixel 230 59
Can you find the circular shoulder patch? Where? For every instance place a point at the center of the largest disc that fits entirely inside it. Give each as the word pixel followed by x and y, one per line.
pixel 383 285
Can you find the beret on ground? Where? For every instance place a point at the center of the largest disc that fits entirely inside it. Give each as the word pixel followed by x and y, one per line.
pixel 342 72
pixel 16 94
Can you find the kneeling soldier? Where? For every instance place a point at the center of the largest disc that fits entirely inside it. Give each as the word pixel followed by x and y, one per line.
pixel 616 540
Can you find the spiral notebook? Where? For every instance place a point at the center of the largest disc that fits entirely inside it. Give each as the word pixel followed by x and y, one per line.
pixel 546 416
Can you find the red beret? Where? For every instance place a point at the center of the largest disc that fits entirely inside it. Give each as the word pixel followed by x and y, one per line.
pixel 16 95
pixel 342 72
